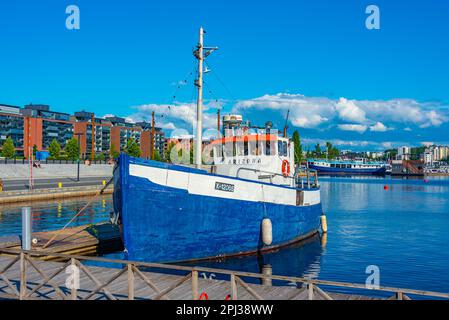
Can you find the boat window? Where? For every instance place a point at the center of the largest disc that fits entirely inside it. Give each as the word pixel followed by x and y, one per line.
pixel 228 149
pixel 338 166
pixel 255 148
pixel 268 148
pixel 239 148
pixel 282 148
pixel 332 165
pixel 218 151
pixel 245 147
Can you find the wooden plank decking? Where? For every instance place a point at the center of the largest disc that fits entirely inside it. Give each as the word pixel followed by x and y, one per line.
pixel 83 240
pixel 26 275
pixel 215 289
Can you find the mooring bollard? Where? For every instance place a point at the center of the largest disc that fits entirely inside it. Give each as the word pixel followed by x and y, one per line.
pixel 26 228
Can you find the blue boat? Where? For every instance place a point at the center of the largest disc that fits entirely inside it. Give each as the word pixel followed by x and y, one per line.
pixel 244 195
pixel 347 167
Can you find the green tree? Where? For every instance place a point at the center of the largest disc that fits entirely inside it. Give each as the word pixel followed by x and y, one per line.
pixel 113 152
pixel 8 148
pixel 332 152
pixel 34 150
pixel 298 147
pixel 168 151
pixel 71 149
pixel 55 149
pixel 335 153
pixel 133 148
pixel 318 150
pixel 157 155
pixel 100 157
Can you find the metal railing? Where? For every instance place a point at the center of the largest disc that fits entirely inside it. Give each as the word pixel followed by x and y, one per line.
pixel 23 288
pixel 301 178
pixel 50 161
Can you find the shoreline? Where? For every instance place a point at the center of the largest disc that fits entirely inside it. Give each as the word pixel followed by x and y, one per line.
pixel 10 197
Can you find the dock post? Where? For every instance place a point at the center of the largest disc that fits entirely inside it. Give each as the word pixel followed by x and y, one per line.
pixel 195 285
pixel 23 279
pixel 233 288
pixel 130 282
pixel 26 228
pixel 74 289
pixel 310 291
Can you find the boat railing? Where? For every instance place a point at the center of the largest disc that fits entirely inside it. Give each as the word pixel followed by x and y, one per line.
pixel 304 178
pixel 307 177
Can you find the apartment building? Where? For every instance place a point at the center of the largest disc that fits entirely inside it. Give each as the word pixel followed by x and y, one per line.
pixel 37 125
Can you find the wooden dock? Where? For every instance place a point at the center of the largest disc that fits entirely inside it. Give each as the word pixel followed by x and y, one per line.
pixel 25 275
pixel 82 240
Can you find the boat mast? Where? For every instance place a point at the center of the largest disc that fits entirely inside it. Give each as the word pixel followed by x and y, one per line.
pixel 199 103
pixel 200 53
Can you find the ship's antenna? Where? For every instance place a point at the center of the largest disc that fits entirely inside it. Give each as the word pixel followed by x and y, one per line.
pixel 201 54
pixel 286 124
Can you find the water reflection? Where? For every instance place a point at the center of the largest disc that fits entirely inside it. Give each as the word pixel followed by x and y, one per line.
pixel 300 260
pixel 55 214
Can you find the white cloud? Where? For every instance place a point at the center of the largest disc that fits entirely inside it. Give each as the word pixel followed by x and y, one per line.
pixel 353 127
pixel 366 117
pixel 305 112
pixel 176 115
pixel 378 127
pixel 427 143
pixel 349 111
pixel 378 115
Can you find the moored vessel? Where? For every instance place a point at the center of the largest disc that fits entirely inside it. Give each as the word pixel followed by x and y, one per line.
pixel 358 166
pixel 249 198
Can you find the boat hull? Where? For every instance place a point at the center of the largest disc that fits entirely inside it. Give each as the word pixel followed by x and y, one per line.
pixel 374 171
pixel 161 223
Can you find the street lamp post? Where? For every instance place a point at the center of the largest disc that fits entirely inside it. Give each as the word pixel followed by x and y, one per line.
pixel 79 134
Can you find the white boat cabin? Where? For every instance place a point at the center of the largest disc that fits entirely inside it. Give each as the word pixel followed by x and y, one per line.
pixel 259 156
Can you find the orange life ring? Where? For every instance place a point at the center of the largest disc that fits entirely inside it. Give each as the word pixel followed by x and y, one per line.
pixel 286 168
pixel 204 296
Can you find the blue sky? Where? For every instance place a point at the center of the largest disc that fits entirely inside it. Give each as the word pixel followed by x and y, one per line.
pixel 359 88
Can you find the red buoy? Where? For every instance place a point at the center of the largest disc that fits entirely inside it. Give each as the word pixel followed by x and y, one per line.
pixel 385 187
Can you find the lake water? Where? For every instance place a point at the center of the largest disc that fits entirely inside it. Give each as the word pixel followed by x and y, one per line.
pixel 404 231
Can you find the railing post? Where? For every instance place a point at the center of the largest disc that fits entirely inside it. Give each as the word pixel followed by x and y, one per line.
pixel 74 289
pixel 310 290
pixel 130 282
pixel 194 285
pixel 308 179
pixel 233 288
pixel 23 285
pixel 399 296
pixel 26 228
